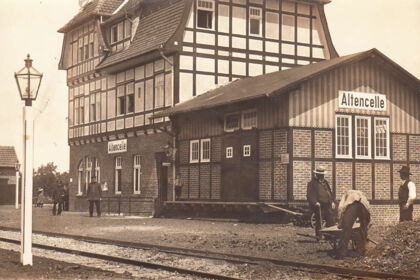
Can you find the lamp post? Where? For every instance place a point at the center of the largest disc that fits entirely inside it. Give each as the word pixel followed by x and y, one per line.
pixel 28 80
pixel 17 168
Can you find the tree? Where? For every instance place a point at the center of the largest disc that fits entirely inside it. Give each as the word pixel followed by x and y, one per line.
pixel 46 177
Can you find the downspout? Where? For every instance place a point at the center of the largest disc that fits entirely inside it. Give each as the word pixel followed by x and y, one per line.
pixel 174 134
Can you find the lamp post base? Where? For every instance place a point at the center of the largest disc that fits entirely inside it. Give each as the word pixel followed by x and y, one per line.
pixel 26 258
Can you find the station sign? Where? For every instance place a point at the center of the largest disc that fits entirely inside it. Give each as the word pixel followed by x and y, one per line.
pixel 117 146
pixel 361 100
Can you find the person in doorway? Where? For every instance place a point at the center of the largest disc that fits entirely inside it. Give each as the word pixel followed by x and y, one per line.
pixel 178 187
pixel 94 194
pixel 321 200
pixel 58 198
pixel 406 195
pixel 353 205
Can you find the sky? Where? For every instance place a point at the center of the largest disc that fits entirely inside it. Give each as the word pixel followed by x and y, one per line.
pixel 30 26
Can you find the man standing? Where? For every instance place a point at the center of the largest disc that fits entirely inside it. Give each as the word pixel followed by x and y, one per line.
pixel 178 187
pixel 94 194
pixel 406 195
pixel 320 199
pixel 353 205
pixel 58 198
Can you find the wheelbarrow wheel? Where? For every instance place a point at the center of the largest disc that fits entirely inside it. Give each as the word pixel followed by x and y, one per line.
pixel 313 221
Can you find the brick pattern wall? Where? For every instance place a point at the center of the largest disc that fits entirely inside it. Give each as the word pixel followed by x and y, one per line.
pixel 183 172
pixel 364 178
pixel 382 181
pixel 302 174
pixel 194 181
pixel 302 143
pixel 184 152
pixel 216 149
pixel 265 180
pixel 280 181
pixel 399 147
pixel 343 178
pixel 397 180
pixel 280 142
pixel 389 214
pixel 205 181
pixel 414 146
pixel 216 173
pixel 323 144
pixel 265 144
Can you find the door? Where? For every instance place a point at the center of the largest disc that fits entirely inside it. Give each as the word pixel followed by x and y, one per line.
pixel 239 166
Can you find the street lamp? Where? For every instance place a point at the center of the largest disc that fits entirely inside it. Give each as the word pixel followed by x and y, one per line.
pixel 28 80
pixel 17 168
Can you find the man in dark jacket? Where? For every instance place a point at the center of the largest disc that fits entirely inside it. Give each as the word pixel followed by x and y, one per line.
pixel 320 199
pixel 58 198
pixel 94 194
pixel 406 195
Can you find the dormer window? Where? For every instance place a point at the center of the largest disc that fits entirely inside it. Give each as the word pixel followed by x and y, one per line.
pixel 205 10
pixel 120 34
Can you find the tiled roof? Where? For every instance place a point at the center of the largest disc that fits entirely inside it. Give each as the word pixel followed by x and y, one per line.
pixel 126 8
pixel 95 7
pixel 273 83
pixel 8 156
pixel 153 31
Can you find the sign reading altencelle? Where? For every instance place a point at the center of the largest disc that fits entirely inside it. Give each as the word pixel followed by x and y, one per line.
pixel 361 100
pixel 117 146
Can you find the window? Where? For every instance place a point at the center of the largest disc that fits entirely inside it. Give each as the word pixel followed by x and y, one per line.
pixel 80 178
pixel 127 29
pixel 194 151
pixel 121 105
pixel 255 21
pixel 88 173
pixel 247 150
pixel 114 34
pixel 205 150
pixel 82 114
pixel 232 122
pixel 86 52
pixel 381 138
pixel 137 174
pixel 249 119
pixel 343 137
pixel 118 175
pixel 159 90
pixel 97 171
pixel 229 152
pixel 92 112
pixel 205 11
pixel 362 137
pixel 130 103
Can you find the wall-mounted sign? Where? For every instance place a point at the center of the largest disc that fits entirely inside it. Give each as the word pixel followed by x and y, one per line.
pixel 117 146
pixel 361 100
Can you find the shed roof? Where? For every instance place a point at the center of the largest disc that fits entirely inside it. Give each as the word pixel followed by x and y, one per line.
pixel 94 7
pixel 274 83
pixel 8 156
pixel 154 30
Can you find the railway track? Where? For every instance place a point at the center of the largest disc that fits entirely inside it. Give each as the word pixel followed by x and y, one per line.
pixel 343 272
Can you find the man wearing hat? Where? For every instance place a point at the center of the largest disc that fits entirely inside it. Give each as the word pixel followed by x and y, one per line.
pixel 320 199
pixel 406 195
pixel 94 194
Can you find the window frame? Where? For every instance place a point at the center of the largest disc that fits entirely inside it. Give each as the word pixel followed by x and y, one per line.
pixel 229 152
pixel 245 149
pixel 242 125
pixel 388 150
pixel 239 122
pixel 350 136
pixel 80 177
pixel 137 167
pixel 192 143
pixel 97 171
pixel 202 142
pixel 212 10
pixel 118 172
pixel 259 18
pixel 88 172
pixel 369 137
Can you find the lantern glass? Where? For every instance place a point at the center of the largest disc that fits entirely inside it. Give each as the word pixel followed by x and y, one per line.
pixel 17 166
pixel 28 80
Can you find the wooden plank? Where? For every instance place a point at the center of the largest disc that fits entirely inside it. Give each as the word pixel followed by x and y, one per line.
pixel 336 229
pixel 283 209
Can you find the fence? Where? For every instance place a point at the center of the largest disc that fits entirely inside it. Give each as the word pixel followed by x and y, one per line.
pixel 128 205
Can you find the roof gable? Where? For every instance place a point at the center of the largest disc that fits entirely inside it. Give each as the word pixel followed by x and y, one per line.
pixel 278 83
pixel 8 156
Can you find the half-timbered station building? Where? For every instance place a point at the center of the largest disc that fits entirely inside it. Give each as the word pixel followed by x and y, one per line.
pixel 126 60
pixel 8 160
pixel 259 139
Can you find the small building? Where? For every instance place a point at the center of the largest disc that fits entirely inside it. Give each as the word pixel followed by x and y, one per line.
pixel 8 160
pixel 258 139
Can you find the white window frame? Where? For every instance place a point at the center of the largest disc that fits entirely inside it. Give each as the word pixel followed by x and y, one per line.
pixel 387 138
pixel 80 178
pixel 137 167
pixel 247 150
pixel 239 125
pixel 251 16
pixel 350 127
pixel 88 172
pixel 242 124
pixel 192 143
pixel 369 137
pixel 97 171
pixel 202 142
pixel 118 166
pixel 229 152
pixel 212 10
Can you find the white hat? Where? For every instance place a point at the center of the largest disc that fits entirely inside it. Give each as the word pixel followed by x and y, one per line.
pixel 320 170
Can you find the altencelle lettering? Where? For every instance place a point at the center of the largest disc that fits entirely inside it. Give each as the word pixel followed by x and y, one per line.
pixel 359 100
pixel 117 146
